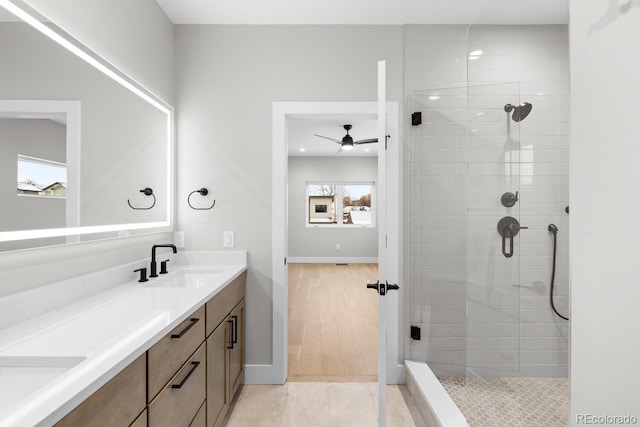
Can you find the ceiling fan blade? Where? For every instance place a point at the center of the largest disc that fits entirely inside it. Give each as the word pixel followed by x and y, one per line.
pixel 366 141
pixel 330 139
pixel 340 150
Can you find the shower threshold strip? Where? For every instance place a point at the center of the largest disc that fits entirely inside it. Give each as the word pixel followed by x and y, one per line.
pixel 435 405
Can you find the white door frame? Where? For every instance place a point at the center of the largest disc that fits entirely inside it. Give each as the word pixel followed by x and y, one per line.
pixel 52 109
pixel 276 372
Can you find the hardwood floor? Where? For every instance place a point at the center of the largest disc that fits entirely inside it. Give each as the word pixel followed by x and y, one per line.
pixel 333 323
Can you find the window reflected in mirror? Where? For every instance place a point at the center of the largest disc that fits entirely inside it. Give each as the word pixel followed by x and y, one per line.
pixel 41 177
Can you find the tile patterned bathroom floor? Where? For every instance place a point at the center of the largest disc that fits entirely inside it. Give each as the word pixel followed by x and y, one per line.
pixel 302 404
pixel 492 402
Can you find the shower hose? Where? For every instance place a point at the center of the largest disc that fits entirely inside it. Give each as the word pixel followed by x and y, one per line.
pixel 553 229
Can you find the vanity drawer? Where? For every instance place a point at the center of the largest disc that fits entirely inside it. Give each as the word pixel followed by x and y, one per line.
pixel 117 403
pixel 219 306
pixel 168 354
pixel 179 402
pixel 201 417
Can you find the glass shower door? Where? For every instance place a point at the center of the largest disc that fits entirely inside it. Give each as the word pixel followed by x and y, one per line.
pixel 437 229
pixel 493 231
pixel 464 276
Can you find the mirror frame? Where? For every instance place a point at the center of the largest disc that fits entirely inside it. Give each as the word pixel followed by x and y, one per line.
pixel 44 25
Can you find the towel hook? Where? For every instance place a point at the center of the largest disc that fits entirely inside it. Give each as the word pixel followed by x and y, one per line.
pixel 147 192
pixel 203 192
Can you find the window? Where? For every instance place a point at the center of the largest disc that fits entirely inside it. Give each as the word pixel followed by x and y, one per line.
pixel 40 177
pixel 340 204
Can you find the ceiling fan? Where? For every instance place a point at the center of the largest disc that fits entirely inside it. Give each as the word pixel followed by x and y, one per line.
pixel 347 142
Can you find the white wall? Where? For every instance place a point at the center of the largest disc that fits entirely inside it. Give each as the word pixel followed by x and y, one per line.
pixel 605 225
pixel 226 80
pixel 479 310
pixel 136 36
pixel 320 242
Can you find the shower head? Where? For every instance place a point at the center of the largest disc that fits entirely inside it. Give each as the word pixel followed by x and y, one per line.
pixel 553 228
pixel 520 112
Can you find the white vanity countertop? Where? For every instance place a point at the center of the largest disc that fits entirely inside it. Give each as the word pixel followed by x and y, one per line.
pixel 72 351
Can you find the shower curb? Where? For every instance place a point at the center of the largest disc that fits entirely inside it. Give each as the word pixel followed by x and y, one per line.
pixel 434 403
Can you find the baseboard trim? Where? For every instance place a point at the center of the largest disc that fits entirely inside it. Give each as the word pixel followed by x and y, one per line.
pixel 332 260
pixel 260 374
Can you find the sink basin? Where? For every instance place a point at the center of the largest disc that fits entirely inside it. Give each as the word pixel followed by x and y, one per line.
pixel 186 279
pixel 22 375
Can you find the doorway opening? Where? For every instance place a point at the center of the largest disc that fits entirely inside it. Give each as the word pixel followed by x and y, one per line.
pixel 332 248
pixel 283 113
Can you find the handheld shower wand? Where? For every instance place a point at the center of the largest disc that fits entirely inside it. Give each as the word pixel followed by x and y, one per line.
pixel 554 229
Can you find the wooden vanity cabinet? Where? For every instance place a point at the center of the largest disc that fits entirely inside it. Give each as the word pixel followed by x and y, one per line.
pixel 141 421
pixel 180 400
pixel 225 349
pixel 201 417
pixel 117 403
pixel 217 365
pixel 171 352
pixel 236 352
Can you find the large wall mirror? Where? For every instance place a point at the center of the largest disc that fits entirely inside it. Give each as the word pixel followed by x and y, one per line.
pixel 80 141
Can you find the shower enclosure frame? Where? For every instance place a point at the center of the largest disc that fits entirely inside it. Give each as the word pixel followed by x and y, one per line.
pixel 464 156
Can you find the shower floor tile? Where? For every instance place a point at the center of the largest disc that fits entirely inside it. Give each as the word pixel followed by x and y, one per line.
pixel 506 401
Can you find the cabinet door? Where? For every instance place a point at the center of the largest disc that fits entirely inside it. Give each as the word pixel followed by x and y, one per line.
pixel 236 353
pixel 217 392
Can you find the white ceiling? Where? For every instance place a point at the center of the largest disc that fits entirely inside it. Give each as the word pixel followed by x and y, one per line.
pixel 301 135
pixel 388 12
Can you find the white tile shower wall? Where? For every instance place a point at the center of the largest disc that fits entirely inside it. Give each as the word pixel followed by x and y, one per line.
pixel 477 309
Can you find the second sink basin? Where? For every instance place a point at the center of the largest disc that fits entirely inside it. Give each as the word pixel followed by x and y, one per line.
pixel 191 278
pixel 22 375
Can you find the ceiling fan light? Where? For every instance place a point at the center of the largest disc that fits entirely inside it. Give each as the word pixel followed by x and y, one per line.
pixel 347 146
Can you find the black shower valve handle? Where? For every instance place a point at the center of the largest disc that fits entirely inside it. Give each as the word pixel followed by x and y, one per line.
pixel 509 199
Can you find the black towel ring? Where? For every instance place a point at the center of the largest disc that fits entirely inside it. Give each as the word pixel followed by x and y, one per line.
pixel 147 192
pixel 203 192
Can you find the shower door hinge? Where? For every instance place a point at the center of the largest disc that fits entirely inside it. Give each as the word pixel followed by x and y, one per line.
pixel 415 333
pixel 416 118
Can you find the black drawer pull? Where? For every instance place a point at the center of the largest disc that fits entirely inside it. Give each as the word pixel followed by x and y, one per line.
pixel 193 321
pixel 232 341
pixel 234 336
pixel 186 377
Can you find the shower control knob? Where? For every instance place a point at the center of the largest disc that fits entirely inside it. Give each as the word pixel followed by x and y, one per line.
pixel 509 199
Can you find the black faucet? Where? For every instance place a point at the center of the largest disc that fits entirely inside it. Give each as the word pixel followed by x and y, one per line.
pixel 154 265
